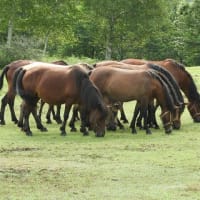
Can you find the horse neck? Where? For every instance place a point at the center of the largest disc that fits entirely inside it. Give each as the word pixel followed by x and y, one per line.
pixel 162 92
pixel 185 80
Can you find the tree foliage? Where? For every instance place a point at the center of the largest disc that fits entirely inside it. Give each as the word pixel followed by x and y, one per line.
pixel 106 29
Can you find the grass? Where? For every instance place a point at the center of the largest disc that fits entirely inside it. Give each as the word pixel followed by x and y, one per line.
pixel 118 166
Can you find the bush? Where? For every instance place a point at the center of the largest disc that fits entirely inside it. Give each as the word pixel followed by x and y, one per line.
pixel 21 48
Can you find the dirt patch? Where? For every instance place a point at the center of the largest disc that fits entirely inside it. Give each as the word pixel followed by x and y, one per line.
pixel 14 172
pixel 147 147
pixel 18 149
pixel 193 188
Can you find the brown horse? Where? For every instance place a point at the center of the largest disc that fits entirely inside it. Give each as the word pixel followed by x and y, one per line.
pixel 183 78
pixel 166 77
pixel 9 97
pixel 56 116
pixel 122 85
pixel 55 86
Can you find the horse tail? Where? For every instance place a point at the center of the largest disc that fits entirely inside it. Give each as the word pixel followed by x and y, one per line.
pixel 19 89
pixel 4 71
pixel 168 97
pixel 17 81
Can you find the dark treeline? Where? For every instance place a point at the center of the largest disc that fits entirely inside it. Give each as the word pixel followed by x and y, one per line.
pixel 100 29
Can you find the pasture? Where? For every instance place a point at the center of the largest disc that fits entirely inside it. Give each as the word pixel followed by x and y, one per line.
pixel 119 166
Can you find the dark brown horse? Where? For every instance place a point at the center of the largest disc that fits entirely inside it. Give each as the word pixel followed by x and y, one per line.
pixel 58 85
pixel 9 98
pixel 122 85
pixel 183 78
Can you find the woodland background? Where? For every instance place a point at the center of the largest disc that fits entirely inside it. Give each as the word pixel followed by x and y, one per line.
pixel 100 29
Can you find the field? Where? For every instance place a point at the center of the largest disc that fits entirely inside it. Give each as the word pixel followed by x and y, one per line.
pixel 120 166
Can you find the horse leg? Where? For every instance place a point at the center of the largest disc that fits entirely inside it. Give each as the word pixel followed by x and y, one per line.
pixel 40 109
pixel 26 110
pixel 155 124
pixel 84 122
pixel 21 116
pixel 73 118
pixel 37 120
pixel 139 121
pixel 48 115
pixel 57 114
pixel 11 106
pixel 66 115
pixel 123 116
pixel 143 110
pixel 4 102
pixel 135 114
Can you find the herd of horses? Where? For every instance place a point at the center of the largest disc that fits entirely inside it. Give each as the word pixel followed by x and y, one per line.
pixel 98 92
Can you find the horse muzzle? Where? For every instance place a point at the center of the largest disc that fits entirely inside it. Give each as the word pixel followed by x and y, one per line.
pixel 100 134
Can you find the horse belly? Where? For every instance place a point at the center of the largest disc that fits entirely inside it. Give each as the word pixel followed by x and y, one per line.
pixel 52 93
pixel 126 90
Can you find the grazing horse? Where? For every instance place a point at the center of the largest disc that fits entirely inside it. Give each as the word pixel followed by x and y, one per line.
pixel 184 80
pixel 123 85
pixel 55 86
pixel 169 81
pixel 9 97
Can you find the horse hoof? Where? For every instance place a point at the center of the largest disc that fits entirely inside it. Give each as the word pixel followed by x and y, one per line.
pixel 59 121
pixel 43 129
pixel 134 132
pixel 2 123
pixel 73 129
pixel 49 122
pixel 63 134
pixel 148 132
pixel 29 133
pixel 85 133
pixel 125 121
pixel 15 121
pixel 111 128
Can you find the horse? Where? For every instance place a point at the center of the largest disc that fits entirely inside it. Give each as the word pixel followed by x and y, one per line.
pixel 69 85
pixel 184 80
pixel 9 97
pixel 169 81
pixel 123 85
pixel 56 116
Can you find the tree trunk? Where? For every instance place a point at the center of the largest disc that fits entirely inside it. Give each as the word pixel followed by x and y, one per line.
pixel 108 53
pixel 46 43
pixel 10 32
pixel 110 38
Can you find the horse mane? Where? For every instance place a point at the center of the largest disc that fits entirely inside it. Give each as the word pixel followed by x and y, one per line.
pixel 90 94
pixel 4 71
pixel 168 97
pixel 60 62
pixel 172 84
pixel 193 92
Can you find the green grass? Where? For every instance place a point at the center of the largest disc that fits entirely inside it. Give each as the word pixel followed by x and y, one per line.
pixel 118 166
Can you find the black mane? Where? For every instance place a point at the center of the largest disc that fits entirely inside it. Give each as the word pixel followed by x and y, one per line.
pixel 90 94
pixel 193 92
pixel 172 84
pixel 168 97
